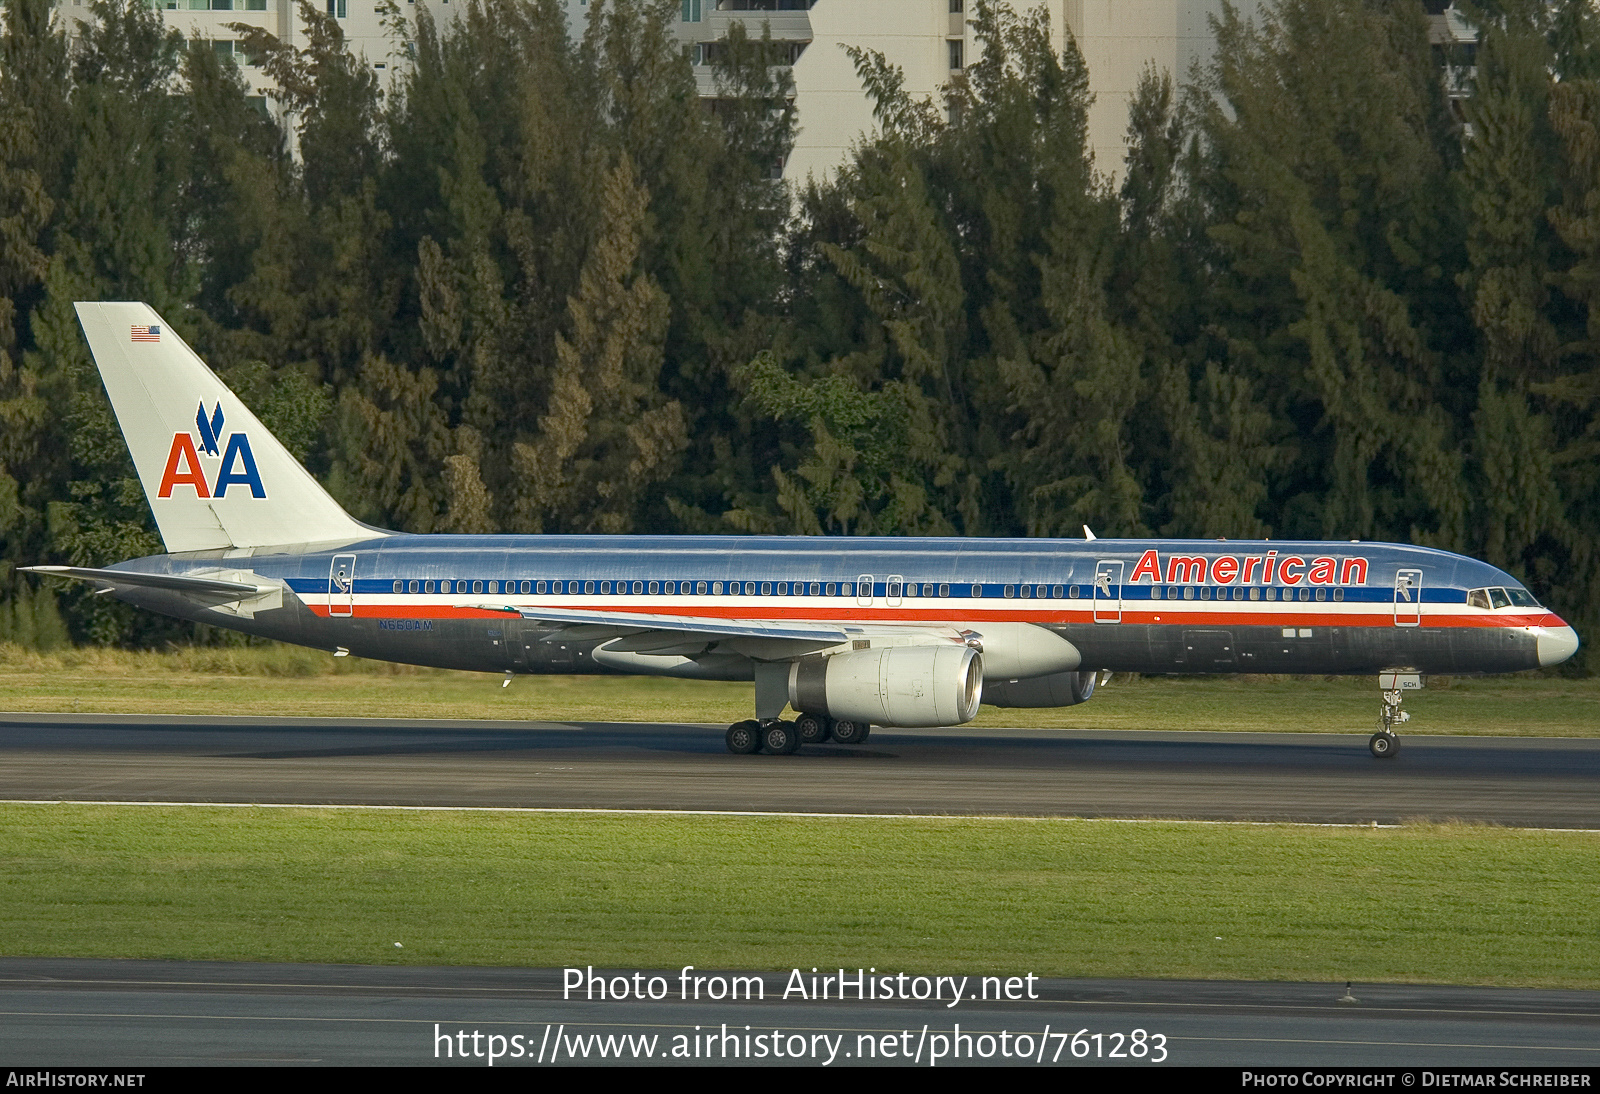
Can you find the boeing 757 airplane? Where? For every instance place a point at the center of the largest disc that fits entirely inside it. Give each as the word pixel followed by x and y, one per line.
pixel 850 633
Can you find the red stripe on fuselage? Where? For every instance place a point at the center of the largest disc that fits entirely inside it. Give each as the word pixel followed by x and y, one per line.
pixel 1167 617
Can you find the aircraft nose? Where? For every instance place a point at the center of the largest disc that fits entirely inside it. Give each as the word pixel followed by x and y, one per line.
pixel 1556 644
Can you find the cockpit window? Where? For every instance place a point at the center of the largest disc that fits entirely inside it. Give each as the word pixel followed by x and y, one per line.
pixel 1522 598
pixel 1499 599
pixel 1478 598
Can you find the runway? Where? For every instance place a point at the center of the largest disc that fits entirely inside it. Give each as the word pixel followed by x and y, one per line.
pixel 131 1014
pixel 1318 778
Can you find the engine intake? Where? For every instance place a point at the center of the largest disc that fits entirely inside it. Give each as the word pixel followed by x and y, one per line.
pixel 908 686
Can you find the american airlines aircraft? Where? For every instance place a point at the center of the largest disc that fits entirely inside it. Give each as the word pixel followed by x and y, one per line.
pixel 850 633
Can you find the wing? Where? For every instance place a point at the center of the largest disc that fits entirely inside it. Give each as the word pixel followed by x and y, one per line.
pixel 640 632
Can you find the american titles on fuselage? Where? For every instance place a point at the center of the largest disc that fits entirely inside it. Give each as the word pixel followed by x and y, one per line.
pixel 1262 569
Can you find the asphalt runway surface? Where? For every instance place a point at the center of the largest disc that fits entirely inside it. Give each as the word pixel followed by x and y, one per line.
pixel 1320 778
pixel 128 1014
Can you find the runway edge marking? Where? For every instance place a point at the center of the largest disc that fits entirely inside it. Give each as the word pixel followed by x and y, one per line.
pixel 748 813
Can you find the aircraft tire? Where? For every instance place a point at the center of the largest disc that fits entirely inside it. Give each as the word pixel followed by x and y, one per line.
pixel 1384 745
pixel 850 733
pixel 780 738
pixel 813 729
pixel 744 737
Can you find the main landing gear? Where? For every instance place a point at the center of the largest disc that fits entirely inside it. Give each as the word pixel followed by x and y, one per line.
pixel 781 738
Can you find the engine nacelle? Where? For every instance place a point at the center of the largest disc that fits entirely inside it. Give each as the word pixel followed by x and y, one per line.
pixel 906 686
pixel 1060 689
pixel 1013 651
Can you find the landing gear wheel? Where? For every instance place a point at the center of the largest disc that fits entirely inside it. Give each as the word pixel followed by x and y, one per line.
pixel 850 733
pixel 780 738
pixel 744 737
pixel 1384 745
pixel 813 729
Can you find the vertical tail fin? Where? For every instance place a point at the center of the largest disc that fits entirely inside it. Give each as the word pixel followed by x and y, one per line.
pixel 214 476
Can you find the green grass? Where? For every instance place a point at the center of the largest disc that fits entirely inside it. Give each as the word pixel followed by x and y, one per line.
pixel 287 680
pixel 1453 903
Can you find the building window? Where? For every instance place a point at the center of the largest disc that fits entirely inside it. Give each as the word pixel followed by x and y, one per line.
pixel 957 7
pixel 691 11
pixel 339 9
pixel 955 52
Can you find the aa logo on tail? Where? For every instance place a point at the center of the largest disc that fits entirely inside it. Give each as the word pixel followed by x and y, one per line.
pixel 237 466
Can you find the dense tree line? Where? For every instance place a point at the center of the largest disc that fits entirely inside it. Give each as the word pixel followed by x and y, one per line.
pixel 541 285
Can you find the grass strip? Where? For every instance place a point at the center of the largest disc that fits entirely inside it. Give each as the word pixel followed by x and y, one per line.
pixel 289 680
pixel 1427 903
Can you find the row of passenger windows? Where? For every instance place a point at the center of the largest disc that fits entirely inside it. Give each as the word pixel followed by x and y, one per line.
pixel 895 589
pixel 1205 592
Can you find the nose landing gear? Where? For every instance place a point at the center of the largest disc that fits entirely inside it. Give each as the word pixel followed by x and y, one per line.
pixel 1385 745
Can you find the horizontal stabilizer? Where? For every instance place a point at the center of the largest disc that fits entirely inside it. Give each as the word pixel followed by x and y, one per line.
pixel 210 588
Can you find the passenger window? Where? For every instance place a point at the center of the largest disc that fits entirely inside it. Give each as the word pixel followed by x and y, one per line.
pixel 1305 594
pixel 894 589
pixel 477 586
pixel 944 590
pixel 847 589
pixel 1172 592
pixel 1338 594
pixel 831 588
pixel 605 587
pixel 1255 594
pixel 927 590
pixel 766 588
pixel 1027 592
pixel 427 586
pixel 977 590
pixel 816 588
pixel 783 588
pixel 414 586
pixel 1205 592
pixel 671 587
pixel 588 587
pixel 1499 599
pixel 700 587
pixel 1072 593
pixel 1188 592
pixel 542 587
pixel 1056 591
pixel 1322 594
pixel 1272 594
pixel 716 588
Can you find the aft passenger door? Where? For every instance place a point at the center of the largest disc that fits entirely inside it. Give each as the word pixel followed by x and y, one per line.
pixel 1408 598
pixel 342 585
pixel 1108 591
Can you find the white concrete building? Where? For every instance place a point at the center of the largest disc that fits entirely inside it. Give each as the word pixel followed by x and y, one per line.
pixel 928 39
pixel 931 39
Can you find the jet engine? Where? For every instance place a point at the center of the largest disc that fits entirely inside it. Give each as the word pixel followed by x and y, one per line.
pixel 1059 689
pixel 898 686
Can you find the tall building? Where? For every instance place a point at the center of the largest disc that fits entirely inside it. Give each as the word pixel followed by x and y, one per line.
pixel 932 39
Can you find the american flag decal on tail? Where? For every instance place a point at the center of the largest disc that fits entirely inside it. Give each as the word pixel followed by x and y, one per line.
pixel 147 334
